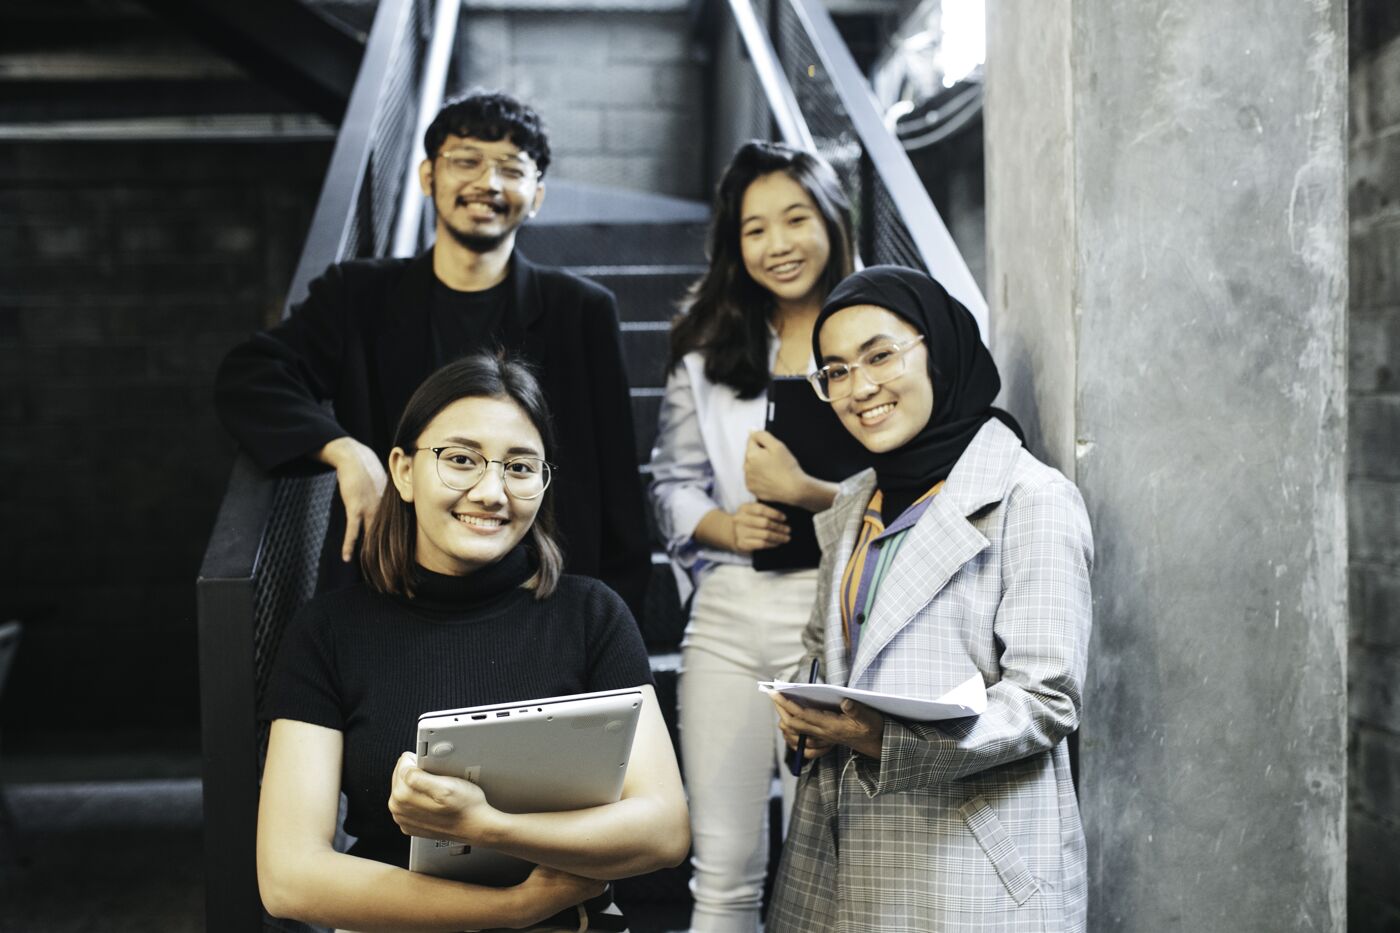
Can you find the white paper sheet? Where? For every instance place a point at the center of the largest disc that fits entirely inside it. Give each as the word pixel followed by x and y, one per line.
pixel 968 698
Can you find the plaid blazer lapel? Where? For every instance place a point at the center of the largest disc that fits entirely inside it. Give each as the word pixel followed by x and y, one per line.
pixel 938 545
pixel 941 542
pixel 837 530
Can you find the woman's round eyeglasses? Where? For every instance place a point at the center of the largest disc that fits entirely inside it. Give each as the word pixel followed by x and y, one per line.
pixel 461 468
pixel 836 381
pixel 467 165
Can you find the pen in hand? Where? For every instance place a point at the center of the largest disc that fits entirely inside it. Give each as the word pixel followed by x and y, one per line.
pixel 795 765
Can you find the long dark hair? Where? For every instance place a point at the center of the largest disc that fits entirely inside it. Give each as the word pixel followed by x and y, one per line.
pixel 388 553
pixel 725 314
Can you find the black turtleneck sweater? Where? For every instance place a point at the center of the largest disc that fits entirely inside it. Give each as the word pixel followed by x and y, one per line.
pixel 368 665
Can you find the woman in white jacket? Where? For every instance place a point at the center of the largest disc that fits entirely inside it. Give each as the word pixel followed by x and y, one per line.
pixel 779 242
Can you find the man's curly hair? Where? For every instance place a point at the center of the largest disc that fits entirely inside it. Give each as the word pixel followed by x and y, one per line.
pixel 490 116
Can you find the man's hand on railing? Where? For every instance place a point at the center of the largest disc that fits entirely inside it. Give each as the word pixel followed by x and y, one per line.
pixel 361 478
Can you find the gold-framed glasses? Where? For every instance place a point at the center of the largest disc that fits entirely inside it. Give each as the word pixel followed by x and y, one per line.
pixel 461 468
pixel 467 165
pixel 836 381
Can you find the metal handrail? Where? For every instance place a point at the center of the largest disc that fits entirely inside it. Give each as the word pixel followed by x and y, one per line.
pixel 327 239
pixel 792 126
pixel 930 234
pixel 408 232
pixel 887 159
pixel 238 578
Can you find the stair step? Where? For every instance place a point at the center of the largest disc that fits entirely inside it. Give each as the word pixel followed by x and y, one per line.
pixel 644 353
pixel 646 298
pixel 662 621
pixel 197 99
pixel 107 62
pixel 599 244
pixel 644 293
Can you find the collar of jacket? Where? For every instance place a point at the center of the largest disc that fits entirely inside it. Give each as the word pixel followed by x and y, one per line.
pixel 403 341
pixel 943 539
pixel 416 288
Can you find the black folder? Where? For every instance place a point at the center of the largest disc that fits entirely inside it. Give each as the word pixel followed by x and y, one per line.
pixel 823 447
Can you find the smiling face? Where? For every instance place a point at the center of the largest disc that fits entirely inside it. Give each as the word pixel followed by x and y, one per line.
pixel 481 213
pixel 882 417
pixel 782 238
pixel 461 531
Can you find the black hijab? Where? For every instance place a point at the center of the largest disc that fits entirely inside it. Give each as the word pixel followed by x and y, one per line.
pixel 965 379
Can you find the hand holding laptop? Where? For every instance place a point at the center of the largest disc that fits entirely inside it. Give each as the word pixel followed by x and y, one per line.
pixel 438 806
pixel 478 770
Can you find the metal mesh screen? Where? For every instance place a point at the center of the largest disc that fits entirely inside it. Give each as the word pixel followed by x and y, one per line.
pixel 287 567
pixel 889 237
pixel 832 132
pixel 742 111
pixel 264 554
pixel 881 233
pixel 370 227
pixel 394 123
pixel 286 571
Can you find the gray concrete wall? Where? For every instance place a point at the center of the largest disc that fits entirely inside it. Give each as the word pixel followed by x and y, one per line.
pixel 620 90
pixel 1167 229
pixel 1030 222
pixel 1374 468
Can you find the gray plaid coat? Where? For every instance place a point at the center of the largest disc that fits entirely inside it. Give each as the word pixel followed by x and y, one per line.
pixel 970 825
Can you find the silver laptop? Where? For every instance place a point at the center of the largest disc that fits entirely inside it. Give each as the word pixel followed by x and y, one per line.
pixel 534 756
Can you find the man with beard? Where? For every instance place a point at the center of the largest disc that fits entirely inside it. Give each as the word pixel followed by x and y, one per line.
pixel 370 331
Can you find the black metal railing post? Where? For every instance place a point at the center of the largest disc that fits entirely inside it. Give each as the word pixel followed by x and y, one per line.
pixel 823 90
pixel 228 717
pixel 262 557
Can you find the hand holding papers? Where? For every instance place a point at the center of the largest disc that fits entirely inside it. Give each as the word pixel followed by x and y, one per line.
pixel 968 698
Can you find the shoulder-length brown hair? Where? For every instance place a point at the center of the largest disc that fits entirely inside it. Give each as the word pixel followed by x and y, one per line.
pixel 388 555
pixel 725 314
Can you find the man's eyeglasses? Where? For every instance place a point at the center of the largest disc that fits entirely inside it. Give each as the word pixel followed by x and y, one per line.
pixel 462 468
pixel 466 165
pixel 836 381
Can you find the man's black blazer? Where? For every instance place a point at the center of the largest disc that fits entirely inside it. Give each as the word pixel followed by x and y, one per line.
pixel 363 340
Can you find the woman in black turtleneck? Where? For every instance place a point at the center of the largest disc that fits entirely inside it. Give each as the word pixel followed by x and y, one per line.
pixel 958 560
pixel 464 604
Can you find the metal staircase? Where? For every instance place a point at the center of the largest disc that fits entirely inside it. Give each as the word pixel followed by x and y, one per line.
pixel 778 70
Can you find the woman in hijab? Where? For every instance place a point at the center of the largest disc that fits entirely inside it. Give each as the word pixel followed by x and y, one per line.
pixel 958 555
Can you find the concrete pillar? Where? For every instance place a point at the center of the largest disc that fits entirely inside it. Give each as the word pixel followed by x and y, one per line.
pixel 1166 189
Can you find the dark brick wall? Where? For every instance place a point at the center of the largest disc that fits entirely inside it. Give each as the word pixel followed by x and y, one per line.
pixel 126 271
pixel 1374 468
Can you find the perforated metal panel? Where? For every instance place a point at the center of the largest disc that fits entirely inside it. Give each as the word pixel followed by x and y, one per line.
pixel 742 110
pixel 370 224
pixel 880 230
pixel 394 123
pixel 882 234
pixel 263 557
pixel 286 571
pixel 285 576
pixel 890 239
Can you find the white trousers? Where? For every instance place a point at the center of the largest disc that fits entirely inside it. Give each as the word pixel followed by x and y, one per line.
pixel 745 626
